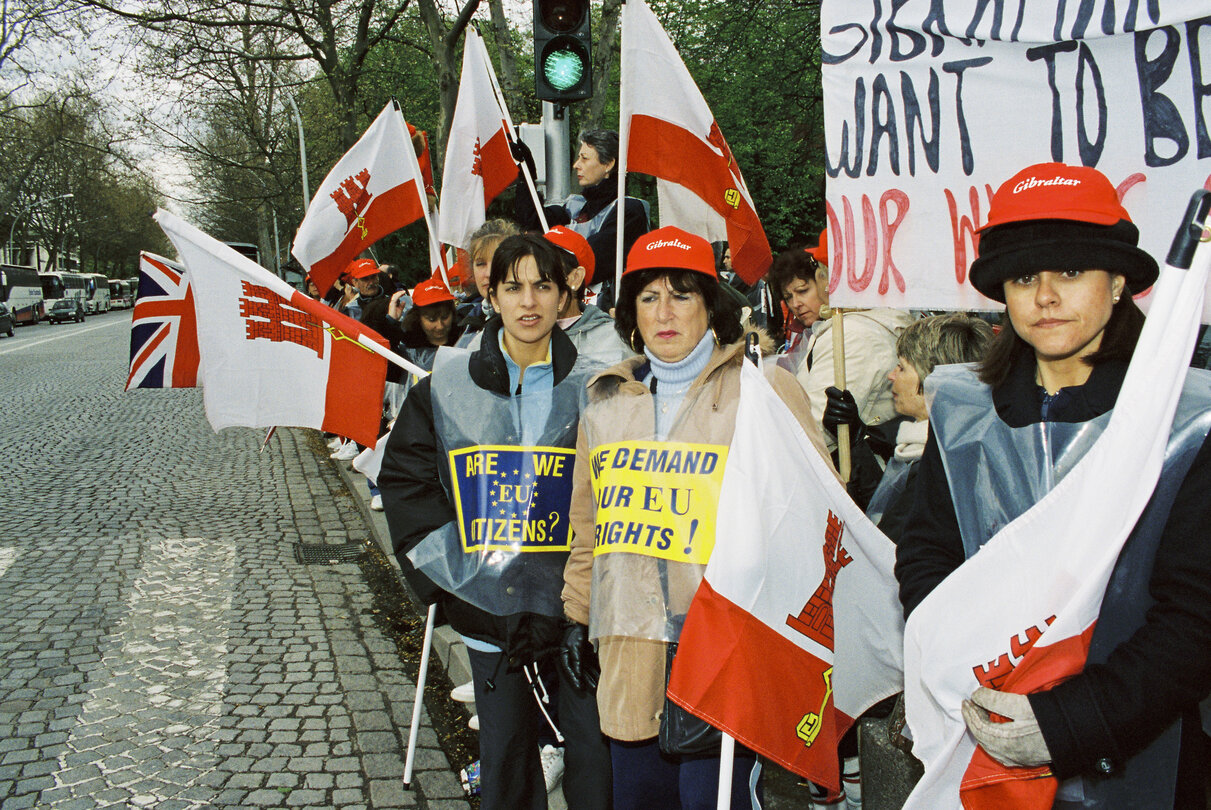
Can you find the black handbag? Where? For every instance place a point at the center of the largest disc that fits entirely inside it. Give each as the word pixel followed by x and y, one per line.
pixel 682 733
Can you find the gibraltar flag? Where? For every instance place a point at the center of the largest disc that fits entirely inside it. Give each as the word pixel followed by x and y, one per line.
pixel 269 354
pixel 374 190
pixel 668 131
pixel 796 628
pixel 1030 602
pixel 479 165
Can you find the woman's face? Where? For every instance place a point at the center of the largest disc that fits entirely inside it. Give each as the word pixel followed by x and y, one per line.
pixel 1062 314
pixel 589 168
pixel 906 393
pixel 670 322
pixel 435 322
pixel 804 301
pixel 481 266
pixel 527 304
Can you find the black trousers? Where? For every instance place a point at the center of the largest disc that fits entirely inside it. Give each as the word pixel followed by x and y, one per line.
pixel 588 781
pixel 510 768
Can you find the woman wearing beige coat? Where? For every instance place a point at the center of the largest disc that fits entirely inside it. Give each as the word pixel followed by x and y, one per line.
pixel 680 395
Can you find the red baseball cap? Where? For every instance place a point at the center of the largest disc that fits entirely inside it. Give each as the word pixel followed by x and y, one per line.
pixel 577 245
pixel 362 268
pixel 431 291
pixel 820 251
pixel 671 248
pixel 1056 191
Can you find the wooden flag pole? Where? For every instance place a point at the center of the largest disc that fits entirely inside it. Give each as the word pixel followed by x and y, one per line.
pixel 843 456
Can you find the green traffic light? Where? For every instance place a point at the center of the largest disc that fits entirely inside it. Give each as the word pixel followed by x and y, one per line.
pixel 563 68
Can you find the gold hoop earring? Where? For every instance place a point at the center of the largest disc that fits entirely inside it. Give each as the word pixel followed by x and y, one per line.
pixel 714 336
pixel 634 340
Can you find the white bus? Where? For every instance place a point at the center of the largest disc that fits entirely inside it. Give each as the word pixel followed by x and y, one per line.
pixel 122 292
pixel 56 285
pixel 98 293
pixel 21 290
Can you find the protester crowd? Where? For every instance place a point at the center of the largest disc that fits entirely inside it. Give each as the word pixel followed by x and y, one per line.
pixel 532 352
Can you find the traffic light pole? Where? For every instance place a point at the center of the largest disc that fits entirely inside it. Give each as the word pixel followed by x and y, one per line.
pixel 559 157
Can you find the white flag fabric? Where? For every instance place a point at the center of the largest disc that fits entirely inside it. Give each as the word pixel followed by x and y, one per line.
pixel 796 628
pixel 375 189
pixel 269 354
pixel 479 165
pixel 1025 584
pixel 667 130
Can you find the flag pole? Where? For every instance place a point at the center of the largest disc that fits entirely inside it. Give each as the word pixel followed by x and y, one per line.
pixel 391 357
pixel 727 756
pixel 507 120
pixel 843 455
pixel 420 696
pixel 420 189
pixel 624 137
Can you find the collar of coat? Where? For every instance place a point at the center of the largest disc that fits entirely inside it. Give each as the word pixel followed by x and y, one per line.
pixel 487 363
pixel 1019 399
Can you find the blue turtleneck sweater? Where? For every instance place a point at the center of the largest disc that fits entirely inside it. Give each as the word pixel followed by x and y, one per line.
pixel 673 381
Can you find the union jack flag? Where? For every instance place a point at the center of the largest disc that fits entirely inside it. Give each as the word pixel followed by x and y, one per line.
pixel 164 330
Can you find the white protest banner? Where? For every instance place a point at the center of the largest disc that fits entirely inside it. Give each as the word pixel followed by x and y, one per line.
pixel 931 104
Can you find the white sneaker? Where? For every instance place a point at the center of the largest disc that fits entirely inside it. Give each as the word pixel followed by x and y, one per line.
pixel 552 766
pixel 376 503
pixel 464 692
pixel 347 452
pixel 473 723
pixel 334 443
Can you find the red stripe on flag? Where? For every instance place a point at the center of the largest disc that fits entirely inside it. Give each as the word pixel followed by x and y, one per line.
pixel 387 212
pixel 673 153
pixel 497 164
pixel 742 676
pixel 186 358
pixel 150 347
pixel 989 785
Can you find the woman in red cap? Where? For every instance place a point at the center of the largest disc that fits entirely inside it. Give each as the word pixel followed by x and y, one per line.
pixel 1061 253
pixel 628 584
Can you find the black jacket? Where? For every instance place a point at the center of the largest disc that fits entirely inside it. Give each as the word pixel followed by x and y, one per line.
pixel 1110 711
pixel 416 503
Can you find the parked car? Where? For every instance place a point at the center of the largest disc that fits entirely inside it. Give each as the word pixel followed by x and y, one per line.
pixel 66 309
pixel 6 320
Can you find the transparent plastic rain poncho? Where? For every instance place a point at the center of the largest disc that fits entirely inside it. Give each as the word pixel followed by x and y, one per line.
pixel 508 473
pixel 656 503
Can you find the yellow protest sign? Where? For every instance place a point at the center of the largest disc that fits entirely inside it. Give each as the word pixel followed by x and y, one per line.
pixel 657 498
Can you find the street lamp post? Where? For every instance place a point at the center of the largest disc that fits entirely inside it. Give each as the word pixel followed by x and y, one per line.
pixel 16 219
pixel 298 119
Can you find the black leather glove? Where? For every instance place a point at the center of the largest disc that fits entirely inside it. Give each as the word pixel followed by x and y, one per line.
pixel 536 636
pixel 521 152
pixel 841 410
pixel 578 659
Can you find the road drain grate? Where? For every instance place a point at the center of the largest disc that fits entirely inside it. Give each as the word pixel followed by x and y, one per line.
pixel 317 553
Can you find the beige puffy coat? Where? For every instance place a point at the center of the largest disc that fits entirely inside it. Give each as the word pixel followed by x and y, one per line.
pixel 630 696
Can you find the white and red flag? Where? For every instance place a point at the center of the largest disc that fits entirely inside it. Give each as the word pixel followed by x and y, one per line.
pixel 1019 615
pixel 163 329
pixel 269 354
pixel 667 130
pixel 479 165
pixel 375 189
pixel 796 628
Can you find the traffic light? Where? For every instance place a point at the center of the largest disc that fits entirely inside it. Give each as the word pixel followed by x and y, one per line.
pixel 563 62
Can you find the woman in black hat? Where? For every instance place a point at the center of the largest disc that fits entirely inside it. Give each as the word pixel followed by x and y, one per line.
pixel 1060 251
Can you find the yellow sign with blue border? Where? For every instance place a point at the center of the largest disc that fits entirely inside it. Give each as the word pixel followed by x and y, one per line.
pixel 657 499
pixel 512 498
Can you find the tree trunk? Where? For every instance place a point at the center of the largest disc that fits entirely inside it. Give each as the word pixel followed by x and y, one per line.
pixel 605 46
pixel 508 66
pixel 444 41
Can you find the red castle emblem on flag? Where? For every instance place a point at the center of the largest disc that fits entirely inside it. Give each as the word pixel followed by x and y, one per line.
pixel 816 619
pixel 352 198
pixel 477 165
pixel 267 316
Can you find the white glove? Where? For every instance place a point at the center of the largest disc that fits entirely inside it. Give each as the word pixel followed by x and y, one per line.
pixel 1017 743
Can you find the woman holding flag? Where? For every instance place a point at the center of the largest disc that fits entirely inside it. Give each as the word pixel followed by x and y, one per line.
pixel 1061 252
pixel 650 456
pixel 476 480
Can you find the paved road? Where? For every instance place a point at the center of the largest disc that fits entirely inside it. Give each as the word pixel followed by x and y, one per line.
pixel 160 646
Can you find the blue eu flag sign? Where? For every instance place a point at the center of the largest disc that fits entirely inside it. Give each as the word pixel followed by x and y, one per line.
pixel 513 498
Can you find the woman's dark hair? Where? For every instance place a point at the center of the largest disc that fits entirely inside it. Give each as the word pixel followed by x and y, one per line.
pixel 793 265
pixel 1118 342
pixel 550 260
pixel 722 310
pixel 414 333
pixel 604 141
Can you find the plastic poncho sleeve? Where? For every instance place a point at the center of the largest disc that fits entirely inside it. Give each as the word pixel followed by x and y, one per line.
pixel 578 573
